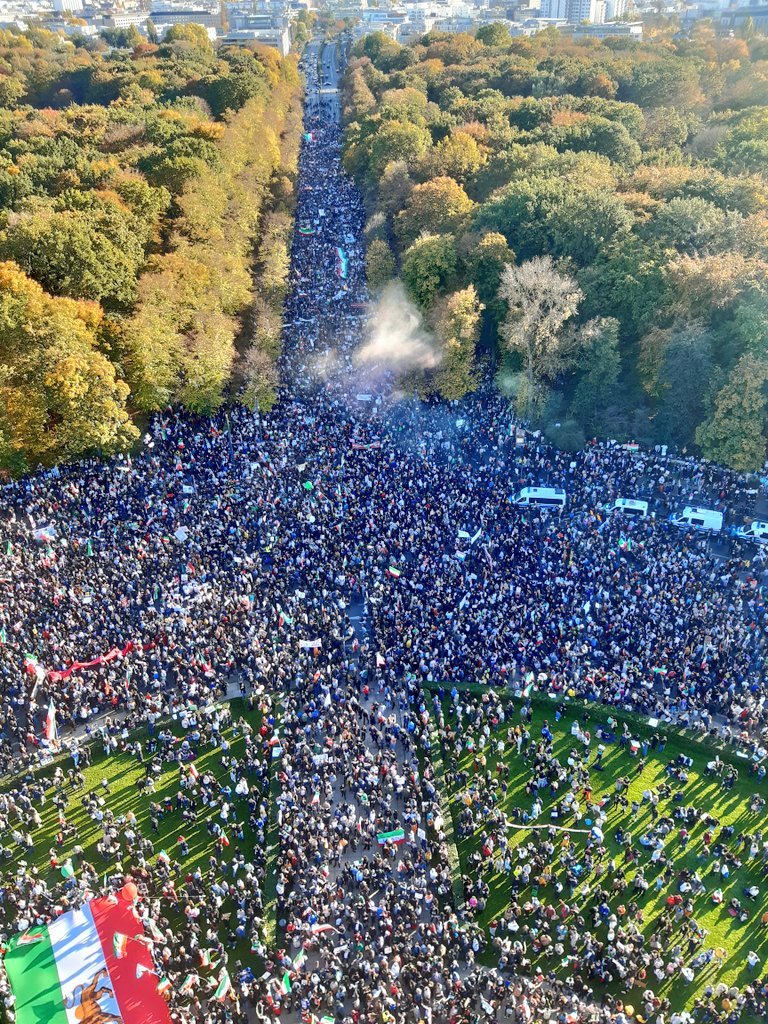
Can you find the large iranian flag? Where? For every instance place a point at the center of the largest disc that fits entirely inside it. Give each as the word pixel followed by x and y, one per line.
pixel 69 973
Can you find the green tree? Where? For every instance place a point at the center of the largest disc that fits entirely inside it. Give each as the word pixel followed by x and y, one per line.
pixel 540 304
pixel 735 432
pixel 440 205
pixel 379 264
pixel 396 140
pixel 82 254
pixel 484 257
pixel 495 34
pixel 457 325
pixel 429 266
pixel 599 366
pixel 684 375
pixel 456 156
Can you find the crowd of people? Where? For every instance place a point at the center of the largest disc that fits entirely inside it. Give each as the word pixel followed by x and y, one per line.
pixel 335 557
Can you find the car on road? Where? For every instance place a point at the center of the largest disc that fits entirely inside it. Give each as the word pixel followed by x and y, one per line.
pixel 695 518
pixel 756 532
pixel 541 497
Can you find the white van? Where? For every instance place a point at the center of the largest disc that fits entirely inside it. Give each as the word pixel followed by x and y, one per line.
pixel 541 497
pixel 757 532
pixel 630 507
pixel 696 518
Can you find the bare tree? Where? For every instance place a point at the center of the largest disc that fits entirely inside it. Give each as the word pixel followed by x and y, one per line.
pixel 541 302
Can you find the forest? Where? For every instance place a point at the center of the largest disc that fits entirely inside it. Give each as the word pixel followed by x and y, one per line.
pixel 146 210
pixel 586 220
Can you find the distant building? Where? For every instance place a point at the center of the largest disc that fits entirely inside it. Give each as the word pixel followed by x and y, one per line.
pixel 67 6
pixel 279 38
pixel 126 19
pixel 559 9
pixel 735 17
pixel 615 9
pixel 630 29
pixel 574 11
pixel 188 16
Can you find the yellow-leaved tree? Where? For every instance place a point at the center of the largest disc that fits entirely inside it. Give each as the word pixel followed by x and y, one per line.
pixel 60 397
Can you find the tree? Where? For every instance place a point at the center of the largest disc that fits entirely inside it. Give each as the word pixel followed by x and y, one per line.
pixel 440 205
pixel 11 90
pixel 540 303
pixel 195 35
pixel 585 222
pixel 395 187
pixel 429 265
pixel 495 34
pixel 685 375
pixel 484 257
pixel 735 433
pixel 457 325
pixel 60 397
pixel 82 254
pixel 379 264
pixel 599 366
pixel 690 225
pixel 396 140
pixel 457 155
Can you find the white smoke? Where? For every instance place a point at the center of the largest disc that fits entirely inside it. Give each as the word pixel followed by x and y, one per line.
pixel 397 338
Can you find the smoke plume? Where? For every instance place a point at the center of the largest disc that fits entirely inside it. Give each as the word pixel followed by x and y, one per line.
pixel 397 339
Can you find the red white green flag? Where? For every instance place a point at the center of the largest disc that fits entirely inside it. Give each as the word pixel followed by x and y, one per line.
pixel 67 972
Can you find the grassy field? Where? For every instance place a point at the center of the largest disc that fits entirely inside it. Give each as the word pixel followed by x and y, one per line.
pixel 706 793
pixel 122 771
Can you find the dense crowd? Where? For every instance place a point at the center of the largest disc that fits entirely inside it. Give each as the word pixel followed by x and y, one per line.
pixel 338 554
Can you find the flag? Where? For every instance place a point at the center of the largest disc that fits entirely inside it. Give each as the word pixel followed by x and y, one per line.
pixel 224 988
pixel 194 772
pixel 163 856
pixel 153 930
pixel 308 485
pixel 396 836
pixel 285 984
pixel 188 985
pixel 31 664
pixel 51 729
pixel 300 960
pixel 392 571
pixel 315 800
pixel 3 635
pixel 49 967
pixel 142 969
pixel 206 957
pixel 528 690
pixel 163 986
pixel 120 944
pixel 9 548
pixel 89 548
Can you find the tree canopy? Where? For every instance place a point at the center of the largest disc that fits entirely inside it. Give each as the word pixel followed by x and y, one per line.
pixel 135 187
pixel 637 173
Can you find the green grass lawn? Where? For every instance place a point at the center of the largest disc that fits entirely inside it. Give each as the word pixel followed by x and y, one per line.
pixel 122 771
pixel 700 791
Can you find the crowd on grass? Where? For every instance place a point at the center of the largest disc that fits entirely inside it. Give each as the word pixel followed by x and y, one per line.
pixel 339 554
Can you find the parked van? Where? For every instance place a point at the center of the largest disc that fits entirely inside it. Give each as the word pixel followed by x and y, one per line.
pixel 541 497
pixel 757 532
pixel 696 518
pixel 630 507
